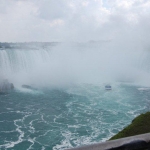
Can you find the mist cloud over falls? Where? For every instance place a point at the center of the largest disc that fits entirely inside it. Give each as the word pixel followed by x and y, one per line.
pixel 113 35
pixel 71 63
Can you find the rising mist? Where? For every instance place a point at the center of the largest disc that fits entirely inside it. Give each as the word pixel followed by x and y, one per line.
pixel 64 64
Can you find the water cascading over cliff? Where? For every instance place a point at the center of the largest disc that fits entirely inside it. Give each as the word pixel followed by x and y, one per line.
pixel 62 65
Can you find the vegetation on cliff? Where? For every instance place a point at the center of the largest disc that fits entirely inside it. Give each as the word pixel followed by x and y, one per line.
pixel 139 125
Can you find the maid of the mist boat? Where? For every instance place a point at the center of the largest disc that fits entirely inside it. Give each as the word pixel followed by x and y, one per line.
pixel 108 87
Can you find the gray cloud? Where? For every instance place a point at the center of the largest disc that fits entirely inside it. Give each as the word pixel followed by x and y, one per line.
pixel 69 20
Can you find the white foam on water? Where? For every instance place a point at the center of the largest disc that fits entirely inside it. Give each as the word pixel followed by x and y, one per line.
pixel 29 91
pixel 31 127
pixel 9 108
pixel 11 144
pixel 43 148
pixel 91 107
pixel 119 98
pixel 144 89
pixel 32 141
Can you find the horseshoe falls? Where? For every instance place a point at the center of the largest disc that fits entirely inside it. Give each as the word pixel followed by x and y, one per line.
pixel 59 100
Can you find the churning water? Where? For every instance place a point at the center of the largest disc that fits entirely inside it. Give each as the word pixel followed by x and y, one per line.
pixel 66 104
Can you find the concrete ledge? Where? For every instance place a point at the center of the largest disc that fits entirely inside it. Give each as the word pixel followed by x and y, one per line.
pixel 138 142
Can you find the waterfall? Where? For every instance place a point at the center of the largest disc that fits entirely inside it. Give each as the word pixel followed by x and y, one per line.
pixel 65 64
pixel 20 63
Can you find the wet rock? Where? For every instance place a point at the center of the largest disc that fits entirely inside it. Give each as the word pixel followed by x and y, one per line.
pixel 5 86
pixel 28 87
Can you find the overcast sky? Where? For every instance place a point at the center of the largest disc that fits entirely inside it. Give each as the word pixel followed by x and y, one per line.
pixel 74 20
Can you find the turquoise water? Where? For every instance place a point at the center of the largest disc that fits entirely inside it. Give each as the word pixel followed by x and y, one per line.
pixel 66 104
pixel 56 119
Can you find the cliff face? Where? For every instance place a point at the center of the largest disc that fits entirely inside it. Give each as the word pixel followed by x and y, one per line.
pixel 139 125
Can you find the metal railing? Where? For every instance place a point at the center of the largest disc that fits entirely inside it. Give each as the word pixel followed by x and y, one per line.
pixel 138 142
